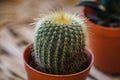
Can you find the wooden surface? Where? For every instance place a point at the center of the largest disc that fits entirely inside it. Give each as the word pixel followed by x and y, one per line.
pixel 16 32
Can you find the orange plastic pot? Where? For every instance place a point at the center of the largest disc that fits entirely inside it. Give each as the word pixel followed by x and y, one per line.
pixel 33 74
pixel 104 42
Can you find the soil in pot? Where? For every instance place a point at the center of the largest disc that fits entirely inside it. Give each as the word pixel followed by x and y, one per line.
pixel 32 63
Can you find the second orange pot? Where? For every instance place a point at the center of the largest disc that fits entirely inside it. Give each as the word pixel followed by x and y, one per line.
pixel 105 44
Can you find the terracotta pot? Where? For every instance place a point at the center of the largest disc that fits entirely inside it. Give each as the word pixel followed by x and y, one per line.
pixel 36 75
pixel 104 42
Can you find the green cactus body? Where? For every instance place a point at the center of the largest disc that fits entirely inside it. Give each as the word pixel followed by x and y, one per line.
pixel 59 43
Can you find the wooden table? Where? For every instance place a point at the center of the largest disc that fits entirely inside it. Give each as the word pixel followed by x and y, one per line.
pixel 16 32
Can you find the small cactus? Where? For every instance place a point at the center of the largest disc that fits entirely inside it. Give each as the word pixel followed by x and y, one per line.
pixel 59 43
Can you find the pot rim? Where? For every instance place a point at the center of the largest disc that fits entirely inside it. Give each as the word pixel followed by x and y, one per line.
pixel 104 27
pixel 53 75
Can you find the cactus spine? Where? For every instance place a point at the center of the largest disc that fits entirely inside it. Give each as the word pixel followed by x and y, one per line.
pixel 59 43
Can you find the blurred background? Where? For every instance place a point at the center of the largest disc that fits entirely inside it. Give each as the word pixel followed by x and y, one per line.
pixel 16 31
pixel 23 11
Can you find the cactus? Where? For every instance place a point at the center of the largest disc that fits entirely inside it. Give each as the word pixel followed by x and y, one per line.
pixel 59 43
